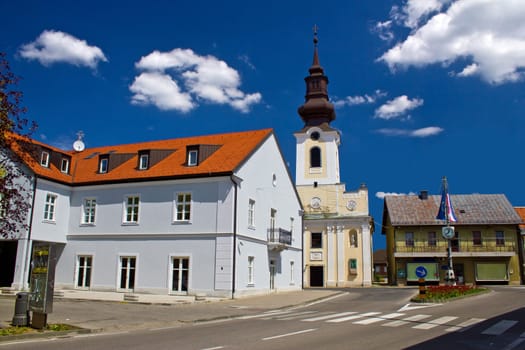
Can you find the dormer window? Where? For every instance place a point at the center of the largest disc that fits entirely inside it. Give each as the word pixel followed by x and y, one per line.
pixel 103 164
pixel 193 156
pixel 64 165
pixel 143 160
pixel 44 159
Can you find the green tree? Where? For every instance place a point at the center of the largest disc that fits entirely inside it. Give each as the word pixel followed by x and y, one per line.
pixel 14 195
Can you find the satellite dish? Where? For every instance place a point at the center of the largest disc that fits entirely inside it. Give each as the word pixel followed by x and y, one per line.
pixel 78 145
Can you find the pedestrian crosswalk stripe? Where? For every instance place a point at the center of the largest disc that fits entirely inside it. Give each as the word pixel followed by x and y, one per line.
pixel 326 317
pixel 463 326
pixel 291 316
pixel 499 327
pixel 348 318
pixel 437 322
pixel 266 314
pixel 406 320
pixel 379 318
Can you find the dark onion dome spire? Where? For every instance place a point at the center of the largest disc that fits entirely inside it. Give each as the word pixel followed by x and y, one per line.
pixel 317 108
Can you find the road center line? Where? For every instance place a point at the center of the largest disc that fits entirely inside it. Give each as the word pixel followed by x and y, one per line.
pixel 290 334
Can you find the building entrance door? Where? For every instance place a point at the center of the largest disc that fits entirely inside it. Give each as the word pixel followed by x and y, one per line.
pixel 272 274
pixel 7 262
pixel 316 276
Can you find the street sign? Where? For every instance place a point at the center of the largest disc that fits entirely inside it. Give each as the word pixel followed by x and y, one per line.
pixel 421 272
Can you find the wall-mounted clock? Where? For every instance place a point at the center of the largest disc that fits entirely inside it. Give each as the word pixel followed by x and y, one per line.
pixel 448 232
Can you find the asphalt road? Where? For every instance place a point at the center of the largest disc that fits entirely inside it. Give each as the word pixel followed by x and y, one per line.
pixel 362 319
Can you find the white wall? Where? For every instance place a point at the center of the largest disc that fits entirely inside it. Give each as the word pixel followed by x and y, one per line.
pixel 268 192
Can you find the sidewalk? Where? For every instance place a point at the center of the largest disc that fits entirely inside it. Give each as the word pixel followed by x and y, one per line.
pixel 108 312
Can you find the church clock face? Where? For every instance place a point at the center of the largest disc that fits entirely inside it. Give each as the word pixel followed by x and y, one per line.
pixel 315 202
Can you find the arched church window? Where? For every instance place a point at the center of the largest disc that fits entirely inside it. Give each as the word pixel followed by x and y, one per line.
pixel 315 157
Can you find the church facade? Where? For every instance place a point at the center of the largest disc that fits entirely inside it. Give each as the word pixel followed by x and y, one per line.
pixel 337 225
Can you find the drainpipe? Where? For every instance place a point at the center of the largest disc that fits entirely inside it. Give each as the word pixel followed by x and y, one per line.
pixel 236 181
pixel 27 248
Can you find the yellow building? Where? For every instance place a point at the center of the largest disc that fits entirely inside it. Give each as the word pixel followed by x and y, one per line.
pixel 337 226
pixel 484 241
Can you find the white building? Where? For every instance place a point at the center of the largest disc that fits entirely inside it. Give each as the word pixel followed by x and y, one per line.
pixel 216 214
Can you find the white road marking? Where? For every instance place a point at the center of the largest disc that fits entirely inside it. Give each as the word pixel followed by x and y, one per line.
pixel 379 318
pixel 348 318
pixel 290 334
pixel 266 314
pixel 499 327
pixel 463 326
pixel 322 300
pixel 215 348
pixel 435 323
pixel 406 320
pixel 326 317
pixel 290 316
pixel 408 307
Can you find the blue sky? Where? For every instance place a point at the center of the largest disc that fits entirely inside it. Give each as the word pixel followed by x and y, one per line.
pixel 422 88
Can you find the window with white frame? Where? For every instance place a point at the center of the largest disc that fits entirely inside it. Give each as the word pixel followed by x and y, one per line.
pixel 127 272
pixel 193 157
pixel 143 161
pixel 88 211
pixel 251 213
pixel 49 207
pixel 131 210
pixel 44 159
pixel 64 165
pixel 251 261
pixel 84 267
pixel 180 274
pixel 103 165
pixel 183 206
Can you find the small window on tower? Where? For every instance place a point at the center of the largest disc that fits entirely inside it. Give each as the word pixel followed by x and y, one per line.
pixel 315 136
pixel 315 157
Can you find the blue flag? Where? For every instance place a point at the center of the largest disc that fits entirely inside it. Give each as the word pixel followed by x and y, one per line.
pixel 446 210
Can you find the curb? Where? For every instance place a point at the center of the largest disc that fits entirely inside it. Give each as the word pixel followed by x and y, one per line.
pixel 48 334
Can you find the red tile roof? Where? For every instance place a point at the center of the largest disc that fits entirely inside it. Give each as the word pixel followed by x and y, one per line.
pixel 232 150
pixel 521 213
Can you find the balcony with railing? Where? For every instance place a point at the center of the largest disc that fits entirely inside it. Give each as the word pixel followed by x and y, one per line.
pixel 279 239
pixel 459 247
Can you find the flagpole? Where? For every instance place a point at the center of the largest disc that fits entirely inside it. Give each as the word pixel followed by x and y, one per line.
pixel 450 278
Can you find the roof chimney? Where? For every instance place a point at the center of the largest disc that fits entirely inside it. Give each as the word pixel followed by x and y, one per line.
pixel 423 194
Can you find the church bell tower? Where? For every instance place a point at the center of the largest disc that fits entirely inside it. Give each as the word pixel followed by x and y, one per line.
pixel 317 143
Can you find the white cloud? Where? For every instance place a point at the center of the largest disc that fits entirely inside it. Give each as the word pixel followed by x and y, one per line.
pixel 382 195
pixel 421 133
pixel 489 34
pixel 414 11
pixel 397 107
pixel 160 90
pixel 384 30
pixel 203 78
pixel 469 70
pixel 54 46
pixel 360 99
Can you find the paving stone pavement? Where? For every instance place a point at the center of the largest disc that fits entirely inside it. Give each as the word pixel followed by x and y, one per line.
pixel 101 311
